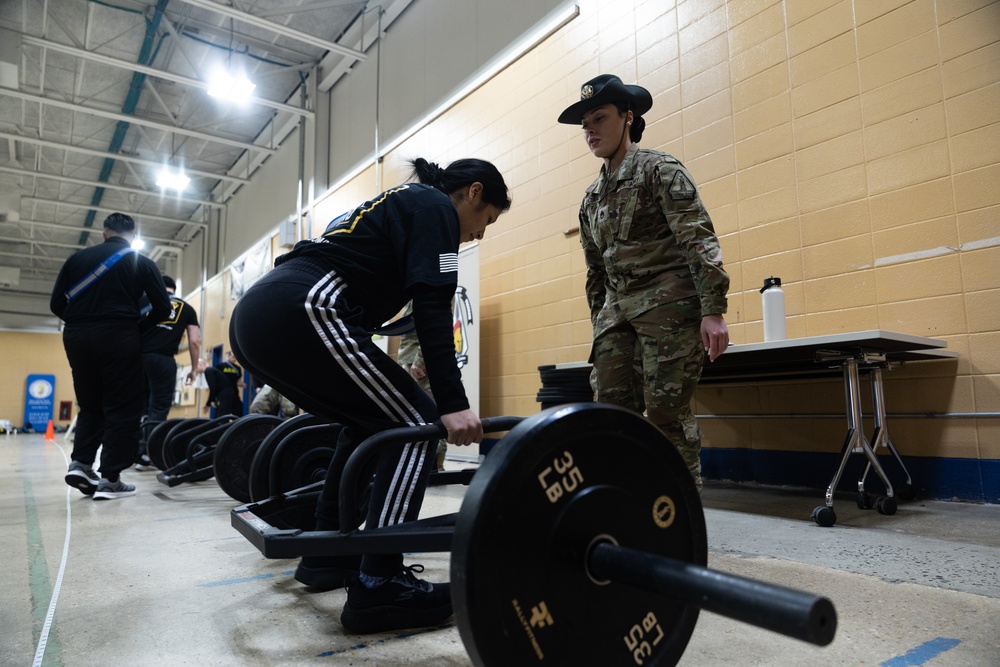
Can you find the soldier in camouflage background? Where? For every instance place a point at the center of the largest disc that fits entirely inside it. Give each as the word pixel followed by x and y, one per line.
pixel 655 282
pixel 411 357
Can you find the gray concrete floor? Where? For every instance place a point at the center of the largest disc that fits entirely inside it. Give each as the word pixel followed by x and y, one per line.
pixel 162 579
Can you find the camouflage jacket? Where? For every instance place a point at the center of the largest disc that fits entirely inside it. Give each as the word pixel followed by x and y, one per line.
pixel 648 240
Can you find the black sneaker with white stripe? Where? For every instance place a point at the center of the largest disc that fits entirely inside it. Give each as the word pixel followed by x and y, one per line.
pixel 404 602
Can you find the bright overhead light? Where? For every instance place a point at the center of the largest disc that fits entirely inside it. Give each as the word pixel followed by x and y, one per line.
pixel 169 180
pixel 138 244
pixel 228 87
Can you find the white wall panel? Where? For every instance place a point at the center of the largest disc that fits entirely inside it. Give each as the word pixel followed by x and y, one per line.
pixel 429 52
pixel 258 207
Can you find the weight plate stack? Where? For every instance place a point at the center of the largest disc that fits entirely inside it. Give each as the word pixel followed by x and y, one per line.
pixel 564 383
pixel 300 459
pixel 168 454
pixel 205 434
pixel 260 468
pixel 557 484
pixel 154 445
pixel 235 451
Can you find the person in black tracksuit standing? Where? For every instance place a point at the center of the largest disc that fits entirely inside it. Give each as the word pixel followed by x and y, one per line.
pixel 304 328
pixel 98 294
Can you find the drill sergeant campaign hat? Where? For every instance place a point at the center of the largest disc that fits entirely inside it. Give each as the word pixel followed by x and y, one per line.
pixel 605 89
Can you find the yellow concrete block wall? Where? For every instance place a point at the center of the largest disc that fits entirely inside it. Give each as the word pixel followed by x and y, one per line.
pixel 24 354
pixel 851 148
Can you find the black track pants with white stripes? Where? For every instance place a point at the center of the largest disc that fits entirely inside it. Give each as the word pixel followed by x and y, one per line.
pixel 293 330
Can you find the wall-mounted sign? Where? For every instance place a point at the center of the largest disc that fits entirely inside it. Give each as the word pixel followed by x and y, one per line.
pixel 39 400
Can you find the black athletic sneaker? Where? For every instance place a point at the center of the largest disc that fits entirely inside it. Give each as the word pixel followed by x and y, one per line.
pixel 82 476
pixel 144 463
pixel 110 490
pixel 327 573
pixel 402 603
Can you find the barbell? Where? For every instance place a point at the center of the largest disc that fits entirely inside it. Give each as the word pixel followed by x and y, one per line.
pixel 581 540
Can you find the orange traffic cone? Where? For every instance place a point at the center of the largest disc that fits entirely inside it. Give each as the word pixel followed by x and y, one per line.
pixel 50 433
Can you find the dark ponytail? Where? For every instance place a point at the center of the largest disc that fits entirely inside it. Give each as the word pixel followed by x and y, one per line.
pixel 428 173
pixel 461 174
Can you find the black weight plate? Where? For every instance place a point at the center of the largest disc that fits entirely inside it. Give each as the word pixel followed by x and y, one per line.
pixel 167 453
pixel 235 451
pixel 554 484
pixel 207 437
pixel 154 445
pixel 260 468
pixel 301 458
pixel 177 445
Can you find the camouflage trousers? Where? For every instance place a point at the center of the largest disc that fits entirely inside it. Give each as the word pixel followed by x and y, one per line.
pixel 651 364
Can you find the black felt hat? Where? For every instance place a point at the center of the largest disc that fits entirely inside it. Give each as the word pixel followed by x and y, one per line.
pixel 605 89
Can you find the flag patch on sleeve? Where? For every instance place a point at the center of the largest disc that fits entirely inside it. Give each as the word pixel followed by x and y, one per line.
pixel 448 262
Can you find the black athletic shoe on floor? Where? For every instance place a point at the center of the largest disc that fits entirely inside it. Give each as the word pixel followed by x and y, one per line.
pixel 144 463
pixel 110 490
pixel 402 603
pixel 327 573
pixel 82 476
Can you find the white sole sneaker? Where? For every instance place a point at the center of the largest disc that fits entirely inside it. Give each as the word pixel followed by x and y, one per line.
pixel 112 491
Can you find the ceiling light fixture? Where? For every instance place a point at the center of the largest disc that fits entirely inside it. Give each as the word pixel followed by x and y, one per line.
pixel 138 244
pixel 169 180
pixel 231 88
pixel 224 83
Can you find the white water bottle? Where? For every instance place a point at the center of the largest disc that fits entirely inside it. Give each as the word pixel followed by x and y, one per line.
pixel 773 300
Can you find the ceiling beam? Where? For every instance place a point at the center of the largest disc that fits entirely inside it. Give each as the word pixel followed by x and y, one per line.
pixel 118 156
pixel 152 71
pixel 88 207
pixel 74 230
pixel 285 31
pixel 108 186
pixel 291 10
pixel 72 106
pixel 54 244
pixel 24 256
pixel 332 68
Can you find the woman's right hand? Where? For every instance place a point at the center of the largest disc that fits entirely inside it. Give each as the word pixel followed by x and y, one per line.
pixel 464 427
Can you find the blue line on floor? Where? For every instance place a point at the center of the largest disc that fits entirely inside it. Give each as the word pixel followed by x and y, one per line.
pixel 923 653
pixel 402 635
pixel 241 580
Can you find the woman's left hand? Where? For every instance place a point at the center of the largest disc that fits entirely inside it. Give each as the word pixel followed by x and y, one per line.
pixel 714 335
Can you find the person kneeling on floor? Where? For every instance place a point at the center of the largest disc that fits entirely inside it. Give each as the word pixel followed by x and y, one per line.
pixel 304 329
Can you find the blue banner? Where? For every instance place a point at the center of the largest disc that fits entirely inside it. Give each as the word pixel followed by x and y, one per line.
pixel 39 400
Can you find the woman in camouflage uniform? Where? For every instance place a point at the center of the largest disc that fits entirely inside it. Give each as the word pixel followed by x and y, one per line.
pixel 655 282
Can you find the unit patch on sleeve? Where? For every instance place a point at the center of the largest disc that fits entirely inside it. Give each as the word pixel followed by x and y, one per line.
pixel 681 187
